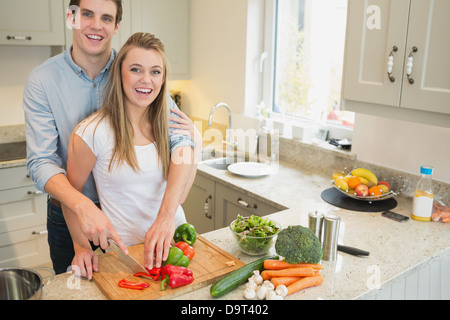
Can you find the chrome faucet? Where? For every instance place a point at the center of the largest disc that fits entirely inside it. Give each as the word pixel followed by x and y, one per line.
pixel 230 142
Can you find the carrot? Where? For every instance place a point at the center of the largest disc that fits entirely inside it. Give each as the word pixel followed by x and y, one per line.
pixel 305 282
pixel 276 281
pixel 291 272
pixel 265 275
pixel 277 265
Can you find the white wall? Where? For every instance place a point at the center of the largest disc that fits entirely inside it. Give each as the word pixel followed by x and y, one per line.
pixel 218 58
pixel 402 145
pixel 16 62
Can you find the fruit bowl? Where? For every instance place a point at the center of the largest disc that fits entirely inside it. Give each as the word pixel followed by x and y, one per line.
pixel 384 196
pixel 363 184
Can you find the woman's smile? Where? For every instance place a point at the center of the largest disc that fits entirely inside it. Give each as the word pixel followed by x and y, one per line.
pixel 144 91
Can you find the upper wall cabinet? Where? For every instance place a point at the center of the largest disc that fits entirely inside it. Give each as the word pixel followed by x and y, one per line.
pixel 169 20
pixel 397 59
pixel 36 22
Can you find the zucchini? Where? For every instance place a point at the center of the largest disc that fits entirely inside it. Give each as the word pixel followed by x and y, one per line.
pixel 238 277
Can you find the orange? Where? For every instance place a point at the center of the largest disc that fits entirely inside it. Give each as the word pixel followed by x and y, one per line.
pixel 353 182
pixel 375 191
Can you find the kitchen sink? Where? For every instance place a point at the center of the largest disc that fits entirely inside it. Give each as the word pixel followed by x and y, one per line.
pixel 222 160
pixel 222 163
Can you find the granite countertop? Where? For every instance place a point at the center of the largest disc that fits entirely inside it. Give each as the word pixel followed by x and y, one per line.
pixel 396 249
pixel 12 146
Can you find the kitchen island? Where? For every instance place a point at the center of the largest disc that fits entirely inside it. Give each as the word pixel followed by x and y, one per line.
pixel 407 260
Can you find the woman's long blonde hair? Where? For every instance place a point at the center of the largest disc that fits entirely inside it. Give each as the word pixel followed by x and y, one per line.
pixel 157 113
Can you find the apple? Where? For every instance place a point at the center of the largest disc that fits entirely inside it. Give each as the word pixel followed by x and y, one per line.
pixel 386 184
pixel 362 190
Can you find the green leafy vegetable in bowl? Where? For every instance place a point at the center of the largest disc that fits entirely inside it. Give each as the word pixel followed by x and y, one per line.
pixel 254 235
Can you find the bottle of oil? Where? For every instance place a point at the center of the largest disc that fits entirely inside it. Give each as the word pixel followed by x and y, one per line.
pixel 423 196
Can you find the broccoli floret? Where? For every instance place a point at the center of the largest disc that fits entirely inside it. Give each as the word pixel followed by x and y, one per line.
pixel 298 244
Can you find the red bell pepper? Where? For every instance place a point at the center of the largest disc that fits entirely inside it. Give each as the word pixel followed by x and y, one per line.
pixel 152 273
pixel 176 276
pixel 132 285
pixel 188 251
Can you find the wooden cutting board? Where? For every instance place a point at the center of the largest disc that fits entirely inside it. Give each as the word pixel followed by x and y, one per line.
pixel 208 264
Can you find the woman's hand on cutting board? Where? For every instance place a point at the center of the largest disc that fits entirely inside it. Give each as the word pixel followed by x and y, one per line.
pixel 157 242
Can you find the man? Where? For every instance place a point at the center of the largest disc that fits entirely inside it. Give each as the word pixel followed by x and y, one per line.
pixel 59 94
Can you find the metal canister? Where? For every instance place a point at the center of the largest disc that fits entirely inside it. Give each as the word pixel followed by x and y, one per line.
pixel 330 236
pixel 315 220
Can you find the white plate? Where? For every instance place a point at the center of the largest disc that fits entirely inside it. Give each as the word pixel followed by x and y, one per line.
pixel 250 169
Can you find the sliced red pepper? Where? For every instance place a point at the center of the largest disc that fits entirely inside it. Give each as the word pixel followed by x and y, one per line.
pixel 152 273
pixel 132 285
pixel 188 250
pixel 176 276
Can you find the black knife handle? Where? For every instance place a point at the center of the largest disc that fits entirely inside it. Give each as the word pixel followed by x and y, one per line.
pixel 353 251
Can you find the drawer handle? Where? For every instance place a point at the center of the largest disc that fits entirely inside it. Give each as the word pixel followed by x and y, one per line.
pixel 34 193
pixel 207 207
pixel 245 204
pixel 18 38
pixel 38 233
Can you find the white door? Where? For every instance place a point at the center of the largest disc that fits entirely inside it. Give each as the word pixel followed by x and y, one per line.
pixel 374 28
pixel 429 32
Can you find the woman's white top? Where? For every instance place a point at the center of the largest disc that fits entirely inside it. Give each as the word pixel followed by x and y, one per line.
pixel 131 200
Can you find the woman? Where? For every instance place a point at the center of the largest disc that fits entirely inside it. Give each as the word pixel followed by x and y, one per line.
pixel 126 147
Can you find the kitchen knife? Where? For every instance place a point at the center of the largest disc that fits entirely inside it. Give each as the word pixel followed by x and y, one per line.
pixel 126 259
pixel 353 251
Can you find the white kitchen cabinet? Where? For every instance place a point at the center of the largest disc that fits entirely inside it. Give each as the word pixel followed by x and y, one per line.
pixel 36 22
pixel 169 20
pixel 23 237
pixel 378 29
pixel 122 34
pixel 199 205
pixel 430 281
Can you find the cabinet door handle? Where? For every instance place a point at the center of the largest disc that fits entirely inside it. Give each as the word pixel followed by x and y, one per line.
pixel 38 233
pixel 18 38
pixel 207 207
pixel 245 204
pixel 409 64
pixel 390 63
pixel 34 193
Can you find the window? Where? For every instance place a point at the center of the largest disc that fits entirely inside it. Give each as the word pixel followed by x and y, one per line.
pixel 309 40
